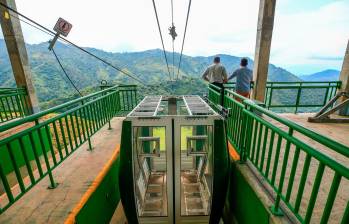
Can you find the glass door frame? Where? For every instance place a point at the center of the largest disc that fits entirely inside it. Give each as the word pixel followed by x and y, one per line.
pixel 167 123
pixel 173 126
pixel 178 123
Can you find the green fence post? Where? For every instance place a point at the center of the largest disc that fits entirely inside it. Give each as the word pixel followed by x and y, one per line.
pixel 326 94
pixel 108 108
pixel 270 96
pixel 275 209
pixel 345 218
pixel 90 148
pixel 244 130
pixel 53 184
pixel 298 97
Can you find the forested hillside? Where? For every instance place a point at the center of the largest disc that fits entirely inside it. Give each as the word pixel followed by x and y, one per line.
pixel 86 72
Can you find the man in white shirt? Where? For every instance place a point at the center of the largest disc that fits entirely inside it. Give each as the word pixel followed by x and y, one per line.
pixel 216 74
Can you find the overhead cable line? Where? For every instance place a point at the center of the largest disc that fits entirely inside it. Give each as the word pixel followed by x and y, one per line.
pixel 48 31
pixel 185 32
pixel 32 25
pixel 173 33
pixel 66 74
pixel 172 10
pixel 162 40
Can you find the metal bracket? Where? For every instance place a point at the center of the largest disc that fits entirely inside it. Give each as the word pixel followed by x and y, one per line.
pixel 224 112
pixel 190 151
pixel 323 115
pixel 155 152
pixel 53 42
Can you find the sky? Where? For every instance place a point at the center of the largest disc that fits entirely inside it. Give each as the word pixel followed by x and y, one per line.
pixel 309 35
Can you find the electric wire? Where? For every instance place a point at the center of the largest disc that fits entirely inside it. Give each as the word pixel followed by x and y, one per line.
pixel 184 35
pixel 42 28
pixel 162 40
pixel 172 11
pixel 173 51
pixel 173 58
pixel 65 73
pixel 32 25
pixel 148 87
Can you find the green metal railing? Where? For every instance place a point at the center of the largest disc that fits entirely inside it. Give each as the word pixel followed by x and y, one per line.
pixel 13 104
pixel 298 95
pixel 277 150
pixel 214 94
pixel 292 96
pixel 233 101
pixel 128 98
pixel 30 155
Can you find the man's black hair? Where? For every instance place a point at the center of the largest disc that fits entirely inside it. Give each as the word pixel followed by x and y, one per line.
pixel 217 59
pixel 244 62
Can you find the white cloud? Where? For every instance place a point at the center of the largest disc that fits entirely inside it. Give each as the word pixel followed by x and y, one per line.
pixel 305 37
pixel 220 26
pixel 120 25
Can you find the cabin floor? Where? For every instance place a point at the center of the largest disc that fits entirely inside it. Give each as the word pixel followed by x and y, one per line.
pixel 74 176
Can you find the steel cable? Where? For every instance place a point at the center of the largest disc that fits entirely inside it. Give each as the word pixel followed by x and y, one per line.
pixel 184 35
pixel 48 31
pixel 66 74
pixel 162 40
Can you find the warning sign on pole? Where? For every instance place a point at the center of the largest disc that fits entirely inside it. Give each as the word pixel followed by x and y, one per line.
pixel 62 27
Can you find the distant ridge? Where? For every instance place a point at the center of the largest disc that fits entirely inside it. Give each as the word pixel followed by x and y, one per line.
pixel 326 75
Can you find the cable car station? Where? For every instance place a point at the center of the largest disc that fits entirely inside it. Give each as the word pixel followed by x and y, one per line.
pixel 115 157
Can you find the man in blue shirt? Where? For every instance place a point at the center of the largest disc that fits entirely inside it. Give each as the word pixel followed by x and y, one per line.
pixel 244 77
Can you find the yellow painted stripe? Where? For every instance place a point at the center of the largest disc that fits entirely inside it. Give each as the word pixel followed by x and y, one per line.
pixel 233 153
pixel 92 188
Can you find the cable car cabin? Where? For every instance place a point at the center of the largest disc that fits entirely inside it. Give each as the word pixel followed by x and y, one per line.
pixel 174 161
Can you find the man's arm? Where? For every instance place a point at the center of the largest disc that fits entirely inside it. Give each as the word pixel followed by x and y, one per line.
pixel 235 73
pixel 225 76
pixel 204 76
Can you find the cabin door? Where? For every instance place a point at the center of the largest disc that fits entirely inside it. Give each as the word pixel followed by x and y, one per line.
pixel 173 171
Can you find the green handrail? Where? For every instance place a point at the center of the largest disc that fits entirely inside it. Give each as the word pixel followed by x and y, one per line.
pixel 277 94
pixel 13 104
pixel 131 89
pixel 214 95
pixel 275 153
pixel 56 138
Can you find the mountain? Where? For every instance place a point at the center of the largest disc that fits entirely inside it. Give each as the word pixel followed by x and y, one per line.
pixel 326 75
pixel 86 72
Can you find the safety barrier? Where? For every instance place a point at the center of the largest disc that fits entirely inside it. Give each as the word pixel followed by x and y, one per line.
pixel 13 104
pixel 214 94
pixel 294 169
pixel 30 155
pixel 292 96
pixel 233 101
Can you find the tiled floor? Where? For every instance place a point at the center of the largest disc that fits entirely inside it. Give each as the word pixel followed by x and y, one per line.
pixel 74 176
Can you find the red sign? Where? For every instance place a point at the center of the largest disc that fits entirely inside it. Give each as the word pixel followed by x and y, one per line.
pixel 62 27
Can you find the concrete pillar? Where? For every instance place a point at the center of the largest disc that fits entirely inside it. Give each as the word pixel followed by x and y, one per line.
pixel 344 77
pixel 262 52
pixel 17 52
